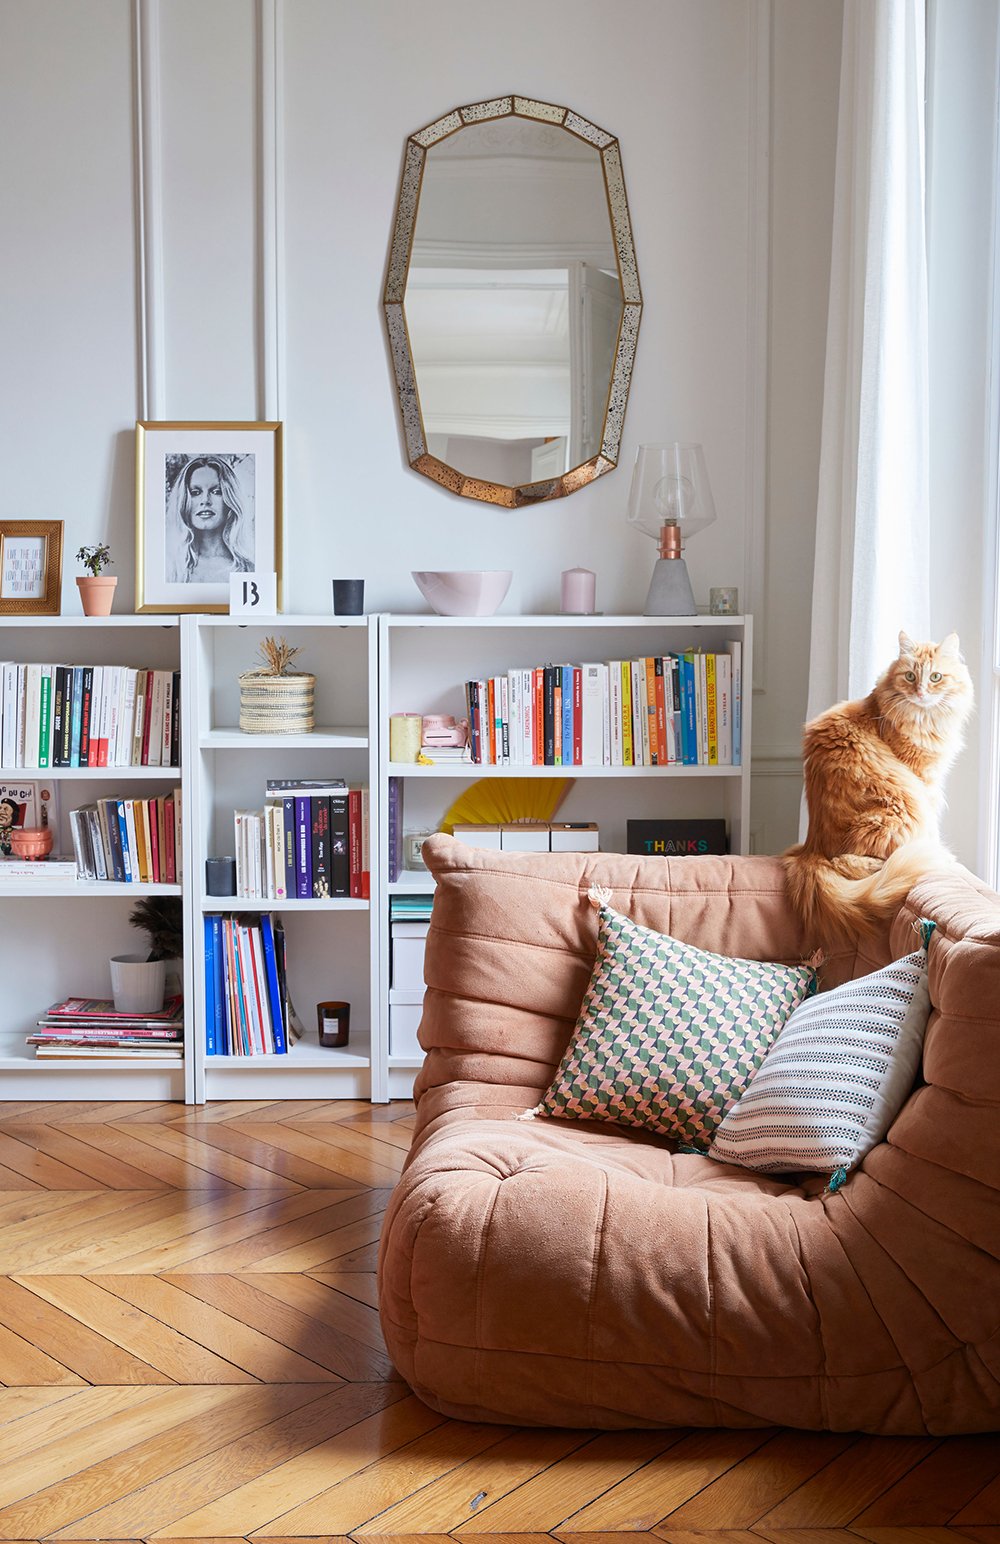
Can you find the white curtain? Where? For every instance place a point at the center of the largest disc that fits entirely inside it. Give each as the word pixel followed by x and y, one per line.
pixel 872 563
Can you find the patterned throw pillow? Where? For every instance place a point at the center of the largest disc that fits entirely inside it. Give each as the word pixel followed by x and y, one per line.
pixel 835 1078
pixel 669 1035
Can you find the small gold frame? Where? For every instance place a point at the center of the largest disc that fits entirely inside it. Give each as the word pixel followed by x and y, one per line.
pixel 407 203
pixel 191 440
pixel 51 533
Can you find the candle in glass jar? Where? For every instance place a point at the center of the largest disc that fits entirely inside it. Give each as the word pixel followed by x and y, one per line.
pixel 579 592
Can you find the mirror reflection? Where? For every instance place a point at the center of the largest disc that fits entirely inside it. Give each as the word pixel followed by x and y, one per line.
pixel 512 301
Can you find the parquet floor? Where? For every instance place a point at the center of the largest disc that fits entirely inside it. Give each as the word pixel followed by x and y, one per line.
pixel 190 1349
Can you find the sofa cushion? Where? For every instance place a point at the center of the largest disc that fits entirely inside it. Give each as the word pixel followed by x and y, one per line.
pixel 669 1035
pixel 835 1078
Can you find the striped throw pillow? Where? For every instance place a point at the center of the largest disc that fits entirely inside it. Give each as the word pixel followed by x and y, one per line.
pixel 835 1077
pixel 669 1035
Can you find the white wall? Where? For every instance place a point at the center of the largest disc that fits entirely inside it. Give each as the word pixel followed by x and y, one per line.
pixel 720 106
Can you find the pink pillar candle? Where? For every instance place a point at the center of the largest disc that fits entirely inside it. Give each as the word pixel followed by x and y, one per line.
pixel 579 592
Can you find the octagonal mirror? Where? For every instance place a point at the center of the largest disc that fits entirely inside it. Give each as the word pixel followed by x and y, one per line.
pixel 512 301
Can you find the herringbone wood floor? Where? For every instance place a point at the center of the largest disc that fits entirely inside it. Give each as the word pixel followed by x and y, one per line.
pixel 190 1349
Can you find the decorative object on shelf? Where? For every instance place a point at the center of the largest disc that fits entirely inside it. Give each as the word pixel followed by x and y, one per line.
pixel 138 984
pixel 97 589
pixel 505 800
pixel 670 499
pixel 348 597
pixel 471 592
pixel 26 804
pixel 724 600
pixel 30 567
pixel 506 177
pixel 441 729
pixel 405 730
pixel 253 594
pixel 31 842
pixel 413 849
pixel 578 592
pixel 220 876
pixel 274 699
pixel 333 1020
pixel 676 838
pixel 208 505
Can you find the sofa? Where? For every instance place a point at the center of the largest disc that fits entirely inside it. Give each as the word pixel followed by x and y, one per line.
pixel 553 1272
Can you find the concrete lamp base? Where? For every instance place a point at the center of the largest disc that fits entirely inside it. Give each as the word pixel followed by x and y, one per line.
pixel 670 592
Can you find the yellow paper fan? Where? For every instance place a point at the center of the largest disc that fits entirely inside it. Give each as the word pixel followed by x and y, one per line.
pixel 506 801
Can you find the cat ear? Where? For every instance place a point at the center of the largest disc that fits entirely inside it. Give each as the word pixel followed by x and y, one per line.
pixel 907 647
pixel 949 645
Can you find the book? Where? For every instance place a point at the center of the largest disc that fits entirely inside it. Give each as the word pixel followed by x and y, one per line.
pixel 340 860
pixel 55 866
pixel 321 867
pixel 303 847
pixel 86 1010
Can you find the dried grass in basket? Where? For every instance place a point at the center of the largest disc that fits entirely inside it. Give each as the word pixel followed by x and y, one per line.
pixel 274 699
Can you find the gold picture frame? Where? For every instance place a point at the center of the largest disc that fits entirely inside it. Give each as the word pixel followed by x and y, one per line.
pixel 182 561
pixel 31 568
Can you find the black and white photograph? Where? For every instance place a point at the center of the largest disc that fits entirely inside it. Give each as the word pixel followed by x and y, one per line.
pixel 208 506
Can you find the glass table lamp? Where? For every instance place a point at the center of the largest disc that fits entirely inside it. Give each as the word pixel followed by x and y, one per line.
pixel 670 499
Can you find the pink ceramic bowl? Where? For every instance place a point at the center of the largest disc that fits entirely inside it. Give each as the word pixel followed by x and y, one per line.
pixel 468 592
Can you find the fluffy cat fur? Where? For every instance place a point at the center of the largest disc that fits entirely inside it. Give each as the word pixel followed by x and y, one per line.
pixel 874 781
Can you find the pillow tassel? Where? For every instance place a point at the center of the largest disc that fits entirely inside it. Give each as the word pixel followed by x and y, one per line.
pixel 530 1114
pixel 925 928
pixel 598 896
pixel 837 1179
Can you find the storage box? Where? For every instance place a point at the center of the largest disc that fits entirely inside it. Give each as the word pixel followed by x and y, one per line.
pixel 408 940
pixel 574 836
pixel 528 836
pixel 479 836
pixel 404 1021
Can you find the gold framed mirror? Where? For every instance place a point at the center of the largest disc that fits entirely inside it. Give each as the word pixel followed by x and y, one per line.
pixel 512 301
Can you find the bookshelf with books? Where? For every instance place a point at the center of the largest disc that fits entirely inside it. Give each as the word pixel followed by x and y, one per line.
pixel 81 745
pixel 431 665
pixel 301 799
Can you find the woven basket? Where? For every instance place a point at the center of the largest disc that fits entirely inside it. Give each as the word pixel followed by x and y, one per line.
pixel 276 704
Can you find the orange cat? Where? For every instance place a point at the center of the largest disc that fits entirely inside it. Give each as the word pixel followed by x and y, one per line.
pixel 874 776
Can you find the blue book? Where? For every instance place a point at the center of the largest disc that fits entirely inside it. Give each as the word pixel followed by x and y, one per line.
pixel 125 859
pixel 288 835
pixel 223 1028
pixel 690 726
pixel 567 715
pixel 303 849
pixel 76 716
pixel 273 989
pixel 211 1046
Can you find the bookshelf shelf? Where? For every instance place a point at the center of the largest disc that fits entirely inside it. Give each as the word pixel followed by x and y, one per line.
pixel 230 738
pixel 92 774
pixel 328 940
pixel 81 889
pixel 424 663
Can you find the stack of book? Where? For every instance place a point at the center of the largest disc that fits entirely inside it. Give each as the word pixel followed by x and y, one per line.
pixel 310 841
pixel 90 1027
pixel 246 1000
pixel 657 711
pixel 131 841
pixel 89 716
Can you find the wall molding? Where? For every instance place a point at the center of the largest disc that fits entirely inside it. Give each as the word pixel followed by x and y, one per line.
pixel 781 763
pixel 148 206
pixel 271 209
pixel 759 44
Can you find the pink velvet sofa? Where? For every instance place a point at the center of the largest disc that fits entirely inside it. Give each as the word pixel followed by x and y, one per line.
pixel 583 1275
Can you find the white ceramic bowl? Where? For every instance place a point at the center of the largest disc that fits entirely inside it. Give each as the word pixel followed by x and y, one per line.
pixel 469 592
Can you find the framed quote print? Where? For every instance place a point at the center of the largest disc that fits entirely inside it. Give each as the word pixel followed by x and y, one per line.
pixel 208 505
pixel 30 567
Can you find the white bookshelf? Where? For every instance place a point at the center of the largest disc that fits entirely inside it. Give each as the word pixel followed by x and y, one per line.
pixel 329 942
pixel 59 935
pixel 424 662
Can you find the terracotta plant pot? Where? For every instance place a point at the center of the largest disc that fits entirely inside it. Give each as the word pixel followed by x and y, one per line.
pixel 97 594
pixel 34 842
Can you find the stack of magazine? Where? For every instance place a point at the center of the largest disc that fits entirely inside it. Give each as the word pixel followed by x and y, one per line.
pixel 90 1027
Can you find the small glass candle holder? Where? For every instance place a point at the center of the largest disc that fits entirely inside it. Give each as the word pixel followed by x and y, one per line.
pixel 333 1020
pixel 413 842
pixel 724 600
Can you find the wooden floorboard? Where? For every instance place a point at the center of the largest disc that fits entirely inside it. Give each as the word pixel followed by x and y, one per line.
pixel 190 1350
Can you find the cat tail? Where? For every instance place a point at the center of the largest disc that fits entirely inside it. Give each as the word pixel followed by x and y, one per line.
pixel 832 906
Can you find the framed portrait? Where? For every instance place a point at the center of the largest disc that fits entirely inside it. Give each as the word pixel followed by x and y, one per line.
pixel 30 567
pixel 208 505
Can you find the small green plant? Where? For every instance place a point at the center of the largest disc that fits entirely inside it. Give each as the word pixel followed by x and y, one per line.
pixel 94 559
